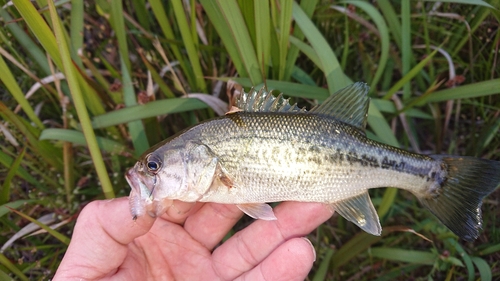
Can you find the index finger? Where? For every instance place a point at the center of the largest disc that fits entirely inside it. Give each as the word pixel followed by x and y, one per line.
pixel 249 247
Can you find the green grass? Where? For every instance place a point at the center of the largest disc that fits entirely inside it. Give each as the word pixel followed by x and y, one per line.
pixel 71 142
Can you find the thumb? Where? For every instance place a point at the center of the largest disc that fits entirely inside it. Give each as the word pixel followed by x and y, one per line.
pixel 101 235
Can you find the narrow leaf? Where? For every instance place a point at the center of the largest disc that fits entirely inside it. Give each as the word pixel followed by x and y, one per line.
pixel 40 29
pixel 71 77
pixel 263 33
pixel 412 73
pixel 468 2
pixel 384 37
pixel 13 87
pixel 404 255
pixel 466 258
pixel 6 208
pixel 335 77
pixel 10 266
pixel 483 267
pixel 78 137
pixel 5 192
pixel 54 233
pixel 189 44
pixel 474 90
pixel 322 271
pixel 356 245
pixel 136 128
pixel 7 161
pixel 285 22
pixel 151 109
pixel 228 21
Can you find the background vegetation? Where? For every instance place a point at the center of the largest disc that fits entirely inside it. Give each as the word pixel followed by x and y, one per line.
pixel 87 86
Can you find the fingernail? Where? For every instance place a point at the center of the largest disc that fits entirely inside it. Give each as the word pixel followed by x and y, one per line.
pixel 312 247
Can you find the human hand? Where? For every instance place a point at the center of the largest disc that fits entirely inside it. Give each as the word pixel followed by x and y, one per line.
pixel 108 244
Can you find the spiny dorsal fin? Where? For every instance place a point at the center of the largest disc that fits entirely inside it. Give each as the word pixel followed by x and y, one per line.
pixel 349 105
pixel 264 101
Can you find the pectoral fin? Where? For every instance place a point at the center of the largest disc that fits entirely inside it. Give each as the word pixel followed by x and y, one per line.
pixel 258 211
pixel 360 210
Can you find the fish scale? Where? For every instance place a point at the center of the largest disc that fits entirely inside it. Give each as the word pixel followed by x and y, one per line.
pixel 246 145
pixel 272 151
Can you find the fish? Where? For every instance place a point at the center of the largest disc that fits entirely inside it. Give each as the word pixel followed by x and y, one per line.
pixel 271 151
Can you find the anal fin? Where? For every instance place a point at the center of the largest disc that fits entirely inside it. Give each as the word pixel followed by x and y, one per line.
pixel 360 210
pixel 258 211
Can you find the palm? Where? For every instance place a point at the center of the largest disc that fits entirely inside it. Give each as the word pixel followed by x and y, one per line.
pixel 180 244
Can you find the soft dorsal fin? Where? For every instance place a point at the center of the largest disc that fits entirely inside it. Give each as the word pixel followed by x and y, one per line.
pixel 349 105
pixel 264 101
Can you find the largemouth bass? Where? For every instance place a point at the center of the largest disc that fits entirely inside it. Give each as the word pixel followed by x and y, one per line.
pixel 272 151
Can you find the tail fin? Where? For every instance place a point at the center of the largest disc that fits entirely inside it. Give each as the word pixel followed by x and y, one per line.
pixel 457 203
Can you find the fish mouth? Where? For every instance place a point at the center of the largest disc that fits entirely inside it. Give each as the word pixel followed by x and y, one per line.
pixel 140 198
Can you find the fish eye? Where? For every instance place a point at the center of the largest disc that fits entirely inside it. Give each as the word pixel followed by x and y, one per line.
pixel 153 165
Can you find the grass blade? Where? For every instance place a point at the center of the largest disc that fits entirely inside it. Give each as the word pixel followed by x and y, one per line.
pixel 490 250
pixel 308 7
pixel 151 109
pixel 323 267
pixel 217 19
pixel 59 236
pixel 404 255
pixel 406 50
pixel 13 170
pixel 412 73
pixel 12 86
pixel 6 208
pixel 263 34
pixel 76 28
pixel 354 247
pixel 78 137
pixel 228 21
pixel 302 76
pixel 78 101
pixel 40 28
pixel 392 20
pixel 380 126
pixel 32 49
pixel 44 149
pixel 335 77
pixel 307 50
pixel 483 267
pixel 486 136
pixel 189 44
pixel 164 23
pixel 468 2
pixel 10 266
pixel 473 90
pixel 465 257
pixel 142 13
pixel 136 128
pixel 7 161
pixel 285 22
pixel 384 38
